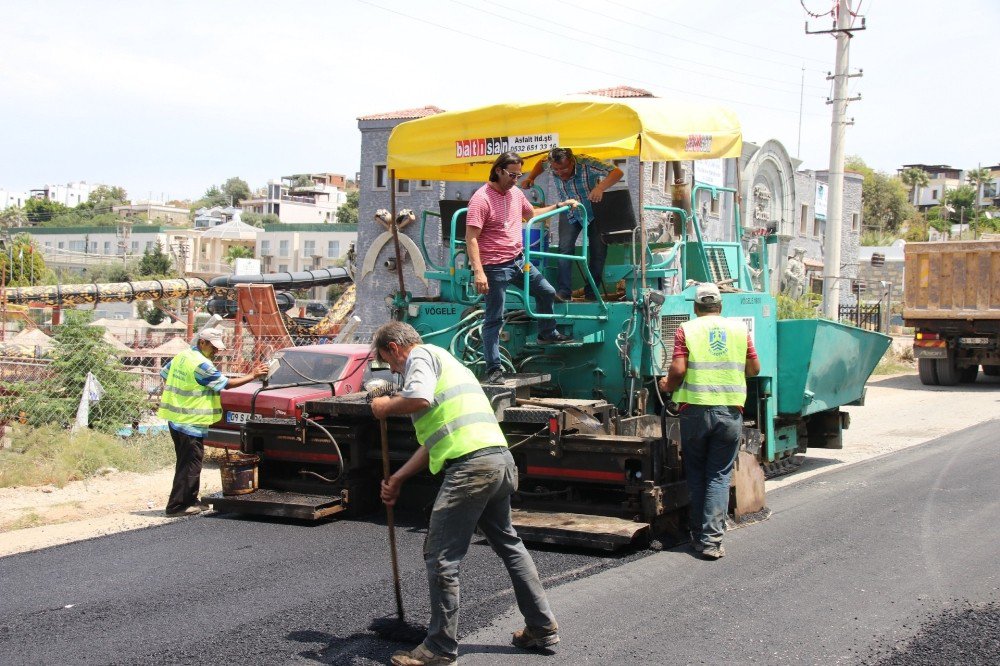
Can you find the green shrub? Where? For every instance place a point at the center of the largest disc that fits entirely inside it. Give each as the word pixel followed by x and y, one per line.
pixel 805 307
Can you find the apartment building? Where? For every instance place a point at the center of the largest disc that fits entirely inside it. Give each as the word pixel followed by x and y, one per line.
pixel 70 195
pixel 301 198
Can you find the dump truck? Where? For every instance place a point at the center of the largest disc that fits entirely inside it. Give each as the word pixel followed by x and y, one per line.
pixel 951 299
pixel 599 453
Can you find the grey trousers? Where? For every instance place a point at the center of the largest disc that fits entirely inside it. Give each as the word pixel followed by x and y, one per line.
pixel 476 491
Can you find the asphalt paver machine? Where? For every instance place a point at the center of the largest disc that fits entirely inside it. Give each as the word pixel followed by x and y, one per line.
pixel 599 453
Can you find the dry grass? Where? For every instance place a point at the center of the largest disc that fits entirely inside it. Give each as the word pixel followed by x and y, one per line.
pixel 51 455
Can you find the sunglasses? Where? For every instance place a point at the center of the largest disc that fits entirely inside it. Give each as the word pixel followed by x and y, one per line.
pixel 515 176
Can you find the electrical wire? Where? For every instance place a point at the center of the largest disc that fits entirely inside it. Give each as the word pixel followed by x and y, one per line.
pixel 340 456
pixel 576 33
pixel 505 45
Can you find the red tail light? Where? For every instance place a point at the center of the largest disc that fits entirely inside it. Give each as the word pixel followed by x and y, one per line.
pixel 553 426
pixel 923 335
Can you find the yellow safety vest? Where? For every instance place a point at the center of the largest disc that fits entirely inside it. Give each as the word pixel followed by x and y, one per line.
pixel 716 367
pixel 460 419
pixel 184 399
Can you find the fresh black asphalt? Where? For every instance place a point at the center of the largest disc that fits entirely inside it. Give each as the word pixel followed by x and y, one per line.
pixel 856 566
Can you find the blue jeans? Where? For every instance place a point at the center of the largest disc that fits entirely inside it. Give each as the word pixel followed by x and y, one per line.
pixel 498 276
pixel 710 438
pixel 476 491
pixel 598 250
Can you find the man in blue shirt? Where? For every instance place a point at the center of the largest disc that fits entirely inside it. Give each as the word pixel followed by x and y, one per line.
pixel 585 179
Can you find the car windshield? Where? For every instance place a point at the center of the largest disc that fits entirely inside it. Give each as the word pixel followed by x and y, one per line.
pixel 302 367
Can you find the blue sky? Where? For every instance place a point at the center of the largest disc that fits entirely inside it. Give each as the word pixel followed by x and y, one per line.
pixel 166 98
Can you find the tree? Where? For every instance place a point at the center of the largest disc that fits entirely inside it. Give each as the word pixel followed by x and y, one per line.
pixel 43 210
pixel 150 313
pixel 13 217
pixel 238 252
pixel 258 220
pixel 236 190
pixel 103 197
pixel 347 213
pixel 21 263
pixel 80 349
pixel 883 197
pixel 915 179
pixel 961 202
pixel 303 180
pixel 156 263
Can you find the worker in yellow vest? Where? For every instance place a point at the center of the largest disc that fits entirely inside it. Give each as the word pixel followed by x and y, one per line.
pixel 190 404
pixel 458 432
pixel 712 358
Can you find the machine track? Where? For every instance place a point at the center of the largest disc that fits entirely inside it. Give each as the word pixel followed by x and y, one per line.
pixel 782 467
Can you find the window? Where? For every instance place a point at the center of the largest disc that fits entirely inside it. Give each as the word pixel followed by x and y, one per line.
pixel 282 268
pixel 62 245
pixel 855 221
pixel 816 227
pixel 107 247
pixel 78 246
pixel 934 195
pixel 402 187
pixel 804 220
pixel 309 248
pixel 714 206
pixel 381 179
pixel 93 247
pixel 48 245
pixel 149 246
pixel 265 248
pixel 283 248
pixel 422 185
pixel 332 249
pixel 656 174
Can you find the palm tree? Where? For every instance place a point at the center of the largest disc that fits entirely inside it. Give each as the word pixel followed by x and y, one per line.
pixel 977 178
pixel 13 217
pixel 915 178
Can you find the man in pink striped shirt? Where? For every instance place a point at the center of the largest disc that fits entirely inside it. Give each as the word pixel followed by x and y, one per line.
pixel 493 235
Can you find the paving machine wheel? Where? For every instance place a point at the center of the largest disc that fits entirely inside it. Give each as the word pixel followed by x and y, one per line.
pixel 927 368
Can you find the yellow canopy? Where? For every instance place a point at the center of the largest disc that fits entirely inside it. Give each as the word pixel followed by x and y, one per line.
pixel 461 145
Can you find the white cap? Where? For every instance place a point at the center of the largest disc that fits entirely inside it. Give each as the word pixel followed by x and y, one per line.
pixel 214 336
pixel 707 294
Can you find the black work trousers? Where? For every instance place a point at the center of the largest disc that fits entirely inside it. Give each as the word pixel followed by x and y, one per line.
pixel 187 475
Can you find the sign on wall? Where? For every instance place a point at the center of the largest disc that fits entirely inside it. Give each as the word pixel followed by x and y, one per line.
pixel 821 198
pixel 244 266
pixel 710 172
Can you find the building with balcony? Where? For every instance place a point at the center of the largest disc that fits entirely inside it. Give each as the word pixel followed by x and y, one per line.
pixel 301 198
pixel 70 195
pixel 942 178
pixel 206 218
pixel 10 198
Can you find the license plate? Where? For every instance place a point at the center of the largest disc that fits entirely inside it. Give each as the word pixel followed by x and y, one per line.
pixel 974 341
pixel 237 417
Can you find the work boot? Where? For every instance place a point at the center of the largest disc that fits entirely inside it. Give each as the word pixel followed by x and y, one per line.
pixel 713 551
pixel 420 656
pixel 534 638
pixel 696 544
pixel 186 511
pixel 554 338
pixel 494 376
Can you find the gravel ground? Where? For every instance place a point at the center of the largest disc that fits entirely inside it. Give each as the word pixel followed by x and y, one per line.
pixel 961 635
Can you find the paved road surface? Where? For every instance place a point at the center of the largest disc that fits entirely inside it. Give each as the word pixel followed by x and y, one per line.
pixel 850 559
pixel 851 562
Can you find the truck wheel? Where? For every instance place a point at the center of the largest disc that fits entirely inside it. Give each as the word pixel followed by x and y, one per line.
pixel 969 374
pixel 928 371
pixel 991 370
pixel 948 373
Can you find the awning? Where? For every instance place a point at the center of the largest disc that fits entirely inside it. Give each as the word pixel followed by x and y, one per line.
pixel 461 145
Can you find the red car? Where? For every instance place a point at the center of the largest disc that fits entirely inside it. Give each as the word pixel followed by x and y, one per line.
pixel 313 367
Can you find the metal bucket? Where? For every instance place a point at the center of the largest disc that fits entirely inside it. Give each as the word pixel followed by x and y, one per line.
pixel 239 473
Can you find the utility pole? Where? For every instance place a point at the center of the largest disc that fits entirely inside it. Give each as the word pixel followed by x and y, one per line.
pixel 843 31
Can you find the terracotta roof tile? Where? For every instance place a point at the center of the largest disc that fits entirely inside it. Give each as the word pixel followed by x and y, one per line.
pixel 405 113
pixel 619 91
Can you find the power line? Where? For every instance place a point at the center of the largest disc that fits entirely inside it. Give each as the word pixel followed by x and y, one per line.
pixel 685 39
pixel 573 64
pixel 702 30
pixel 576 32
